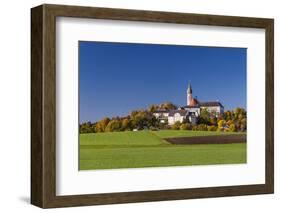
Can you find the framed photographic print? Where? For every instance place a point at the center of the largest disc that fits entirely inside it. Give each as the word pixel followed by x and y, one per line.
pixel 136 106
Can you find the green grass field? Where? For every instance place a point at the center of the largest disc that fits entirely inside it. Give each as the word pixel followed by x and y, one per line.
pixel 185 133
pixel 148 149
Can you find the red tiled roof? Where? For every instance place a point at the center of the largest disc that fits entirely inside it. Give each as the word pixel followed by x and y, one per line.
pixel 193 102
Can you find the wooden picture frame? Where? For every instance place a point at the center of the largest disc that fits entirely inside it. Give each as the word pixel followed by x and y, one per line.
pixel 43 105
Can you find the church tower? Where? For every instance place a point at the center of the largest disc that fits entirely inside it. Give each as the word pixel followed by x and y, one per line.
pixel 189 95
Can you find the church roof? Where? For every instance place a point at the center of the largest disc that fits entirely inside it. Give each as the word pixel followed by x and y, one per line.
pixel 181 112
pixel 193 102
pixel 161 111
pixel 196 106
pixel 210 104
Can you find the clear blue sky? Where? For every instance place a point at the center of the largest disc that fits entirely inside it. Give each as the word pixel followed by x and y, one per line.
pixel 116 78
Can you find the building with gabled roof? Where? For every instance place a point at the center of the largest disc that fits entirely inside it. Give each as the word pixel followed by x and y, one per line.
pixel 189 112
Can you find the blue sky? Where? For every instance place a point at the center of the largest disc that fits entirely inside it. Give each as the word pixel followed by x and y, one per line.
pixel 116 78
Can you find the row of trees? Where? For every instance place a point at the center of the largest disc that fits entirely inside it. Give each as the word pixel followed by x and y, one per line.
pixel 142 119
pixel 138 119
pixel 233 121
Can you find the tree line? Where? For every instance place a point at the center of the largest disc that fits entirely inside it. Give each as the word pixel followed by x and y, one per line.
pixel 231 120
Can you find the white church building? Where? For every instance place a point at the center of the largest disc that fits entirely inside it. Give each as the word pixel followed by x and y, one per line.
pixel 190 112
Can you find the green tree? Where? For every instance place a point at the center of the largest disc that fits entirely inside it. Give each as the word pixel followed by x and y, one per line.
pixel 204 117
pixel 143 119
pixel 85 128
pixel 163 125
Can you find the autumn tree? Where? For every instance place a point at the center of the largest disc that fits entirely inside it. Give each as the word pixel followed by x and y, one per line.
pixel 152 108
pixel 232 128
pixel 168 106
pixel 221 125
pixel 101 125
pixel 243 125
pixel 125 124
pixel 113 126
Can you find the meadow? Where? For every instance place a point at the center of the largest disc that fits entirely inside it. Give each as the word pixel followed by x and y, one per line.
pixel 140 149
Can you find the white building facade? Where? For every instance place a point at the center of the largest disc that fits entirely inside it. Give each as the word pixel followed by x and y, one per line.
pixel 190 112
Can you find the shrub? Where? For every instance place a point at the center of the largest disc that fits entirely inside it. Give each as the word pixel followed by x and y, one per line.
pixel 186 126
pixel 183 127
pixel 194 128
pixel 176 125
pixel 212 128
pixel 202 127
pixel 232 128
pixel 152 128
pixel 221 125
